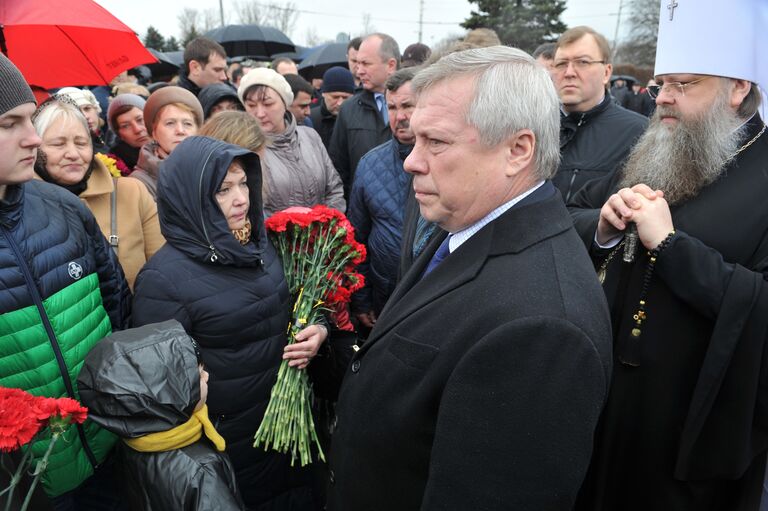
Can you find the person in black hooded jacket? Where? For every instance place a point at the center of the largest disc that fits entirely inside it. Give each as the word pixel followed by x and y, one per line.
pixel 147 386
pixel 221 278
pixel 218 97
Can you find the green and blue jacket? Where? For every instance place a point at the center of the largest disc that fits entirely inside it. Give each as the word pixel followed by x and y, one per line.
pixel 61 291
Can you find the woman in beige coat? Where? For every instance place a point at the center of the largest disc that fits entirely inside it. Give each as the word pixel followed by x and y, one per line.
pixel 66 159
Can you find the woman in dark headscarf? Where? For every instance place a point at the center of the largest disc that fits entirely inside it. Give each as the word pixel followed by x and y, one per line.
pixel 220 277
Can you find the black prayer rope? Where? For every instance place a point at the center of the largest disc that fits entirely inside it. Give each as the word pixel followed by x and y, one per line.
pixel 640 315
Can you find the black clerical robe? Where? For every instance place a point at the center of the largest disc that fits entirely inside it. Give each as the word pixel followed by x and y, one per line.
pixel 686 428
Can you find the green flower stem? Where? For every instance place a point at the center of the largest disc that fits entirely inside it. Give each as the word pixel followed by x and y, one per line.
pixel 39 469
pixel 16 477
pixel 288 425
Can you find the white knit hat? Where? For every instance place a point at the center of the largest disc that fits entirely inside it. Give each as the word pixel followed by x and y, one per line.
pixel 712 37
pixel 81 97
pixel 268 77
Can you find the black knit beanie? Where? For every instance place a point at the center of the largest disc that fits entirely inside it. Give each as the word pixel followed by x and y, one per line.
pixel 14 90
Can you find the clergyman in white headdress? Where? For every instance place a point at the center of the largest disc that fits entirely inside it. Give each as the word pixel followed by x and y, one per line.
pixel 679 238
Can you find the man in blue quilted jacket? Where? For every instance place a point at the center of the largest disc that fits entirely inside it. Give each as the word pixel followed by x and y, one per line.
pixel 61 291
pixel 377 202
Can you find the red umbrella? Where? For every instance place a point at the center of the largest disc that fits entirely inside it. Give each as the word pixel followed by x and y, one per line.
pixel 56 43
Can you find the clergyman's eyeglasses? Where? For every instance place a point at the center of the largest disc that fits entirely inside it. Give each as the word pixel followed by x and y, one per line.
pixel 672 88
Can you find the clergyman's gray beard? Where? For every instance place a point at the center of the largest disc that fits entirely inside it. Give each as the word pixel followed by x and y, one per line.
pixel 690 156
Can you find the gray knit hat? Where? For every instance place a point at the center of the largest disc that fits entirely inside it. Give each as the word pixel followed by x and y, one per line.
pixel 122 100
pixel 14 90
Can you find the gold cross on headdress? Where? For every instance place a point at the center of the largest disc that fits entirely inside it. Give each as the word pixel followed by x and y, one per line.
pixel 671 8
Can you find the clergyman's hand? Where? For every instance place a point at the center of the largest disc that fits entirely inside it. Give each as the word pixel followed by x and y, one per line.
pixel 654 222
pixel 619 210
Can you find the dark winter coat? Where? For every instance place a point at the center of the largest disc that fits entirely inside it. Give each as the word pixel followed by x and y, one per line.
pixel 146 380
pixel 595 143
pixel 127 153
pixel 323 121
pixel 641 103
pixel 416 232
pixel 620 95
pixel 376 209
pixel 481 384
pixel 61 290
pixel 359 128
pixel 686 425
pixel 232 299
pixel 185 83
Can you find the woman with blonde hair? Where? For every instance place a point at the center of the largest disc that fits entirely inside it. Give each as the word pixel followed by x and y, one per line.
pixel 123 208
pixel 171 114
pixel 241 129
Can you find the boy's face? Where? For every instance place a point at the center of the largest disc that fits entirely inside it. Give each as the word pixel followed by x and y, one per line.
pixel 18 144
pixel 203 387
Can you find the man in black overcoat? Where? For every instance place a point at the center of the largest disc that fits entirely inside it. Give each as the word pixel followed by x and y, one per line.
pixel 481 384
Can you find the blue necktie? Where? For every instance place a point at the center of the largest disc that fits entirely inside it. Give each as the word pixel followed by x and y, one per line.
pixel 382 103
pixel 442 252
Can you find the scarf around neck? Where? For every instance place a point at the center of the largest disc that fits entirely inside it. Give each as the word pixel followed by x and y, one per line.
pixel 180 436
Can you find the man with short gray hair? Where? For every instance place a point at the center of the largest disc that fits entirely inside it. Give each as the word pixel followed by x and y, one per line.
pixel 481 383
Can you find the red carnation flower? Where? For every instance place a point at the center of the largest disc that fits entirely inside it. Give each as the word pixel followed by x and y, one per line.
pixel 18 419
pixel 318 252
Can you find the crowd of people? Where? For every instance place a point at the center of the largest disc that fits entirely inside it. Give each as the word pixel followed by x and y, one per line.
pixel 565 290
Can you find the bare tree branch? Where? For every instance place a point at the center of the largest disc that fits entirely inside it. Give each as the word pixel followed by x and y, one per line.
pixel 249 12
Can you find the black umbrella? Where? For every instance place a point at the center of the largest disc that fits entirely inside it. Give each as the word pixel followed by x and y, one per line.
pixel 166 65
pixel 252 41
pixel 629 79
pixel 323 57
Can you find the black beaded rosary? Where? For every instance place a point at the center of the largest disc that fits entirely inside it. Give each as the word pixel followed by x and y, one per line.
pixel 631 355
pixel 640 315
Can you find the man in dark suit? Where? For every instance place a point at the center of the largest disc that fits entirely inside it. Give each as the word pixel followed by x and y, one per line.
pixel 483 379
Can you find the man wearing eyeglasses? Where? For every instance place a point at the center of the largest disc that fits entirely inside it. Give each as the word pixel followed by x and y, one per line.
pixel 686 424
pixel 595 134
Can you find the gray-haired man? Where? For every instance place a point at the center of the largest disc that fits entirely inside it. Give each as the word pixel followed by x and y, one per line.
pixel 481 383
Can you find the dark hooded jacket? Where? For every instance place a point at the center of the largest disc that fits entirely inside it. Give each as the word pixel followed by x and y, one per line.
pixel 146 380
pixel 232 299
pixel 214 93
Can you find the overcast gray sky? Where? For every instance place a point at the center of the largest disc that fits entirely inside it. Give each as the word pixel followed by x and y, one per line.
pixel 326 18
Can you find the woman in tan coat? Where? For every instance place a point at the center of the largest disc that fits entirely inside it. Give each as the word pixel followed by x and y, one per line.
pixel 66 158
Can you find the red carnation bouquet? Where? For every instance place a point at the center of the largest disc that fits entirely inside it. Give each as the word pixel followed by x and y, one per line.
pixel 24 417
pixel 319 254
